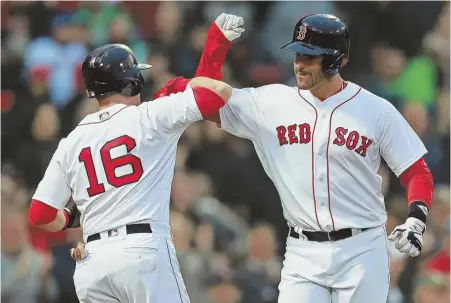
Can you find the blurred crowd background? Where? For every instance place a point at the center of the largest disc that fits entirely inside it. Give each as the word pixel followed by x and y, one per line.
pixel 226 215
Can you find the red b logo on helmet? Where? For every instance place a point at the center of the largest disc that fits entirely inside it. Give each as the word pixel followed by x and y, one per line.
pixel 302 31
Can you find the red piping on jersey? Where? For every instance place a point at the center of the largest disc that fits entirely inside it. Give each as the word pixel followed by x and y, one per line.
pixel 327 154
pixel 313 160
pixel 388 259
pixel 97 122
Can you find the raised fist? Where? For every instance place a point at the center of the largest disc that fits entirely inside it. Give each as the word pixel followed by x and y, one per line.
pixel 230 25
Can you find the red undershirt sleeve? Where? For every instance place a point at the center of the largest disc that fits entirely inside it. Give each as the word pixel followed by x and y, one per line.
pixel 214 54
pixel 418 182
pixel 41 213
pixel 207 100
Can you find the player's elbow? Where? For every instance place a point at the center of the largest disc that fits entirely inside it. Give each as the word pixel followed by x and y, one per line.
pixel 222 89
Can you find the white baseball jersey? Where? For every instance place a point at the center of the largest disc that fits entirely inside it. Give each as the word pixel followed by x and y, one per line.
pixel 323 157
pixel 118 163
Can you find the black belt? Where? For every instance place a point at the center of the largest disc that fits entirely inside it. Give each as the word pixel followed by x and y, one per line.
pixel 131 229
pixel 321 236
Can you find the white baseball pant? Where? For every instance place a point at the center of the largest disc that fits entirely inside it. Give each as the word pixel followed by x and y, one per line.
pixel 133 268
pixel 352 270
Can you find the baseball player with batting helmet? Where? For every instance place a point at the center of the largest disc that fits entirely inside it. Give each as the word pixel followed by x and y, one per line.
pixel 321 142
pixel 117 166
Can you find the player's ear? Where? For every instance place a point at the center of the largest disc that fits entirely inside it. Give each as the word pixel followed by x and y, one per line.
pixel 344 60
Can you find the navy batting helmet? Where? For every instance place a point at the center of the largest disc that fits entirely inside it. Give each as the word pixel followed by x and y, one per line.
pixel 321 35
pixel 112 69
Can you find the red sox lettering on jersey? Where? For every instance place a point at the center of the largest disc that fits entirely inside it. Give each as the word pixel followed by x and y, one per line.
pixel 323 156
pixel 301 133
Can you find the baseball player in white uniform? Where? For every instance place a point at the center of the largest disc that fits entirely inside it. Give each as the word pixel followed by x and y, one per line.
pixel 117 166
pixel 322 142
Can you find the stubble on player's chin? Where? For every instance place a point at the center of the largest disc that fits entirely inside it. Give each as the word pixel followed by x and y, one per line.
pixel 303 84
pixel 316 81
pixel 313 82
pixel 306 85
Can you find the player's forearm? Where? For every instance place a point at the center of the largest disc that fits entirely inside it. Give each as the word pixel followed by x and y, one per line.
pixel 212 59
pixel 214 54
pixel 418 182
pixel 49 218
pixel 221 88
pixel 210 95
pixel 57 224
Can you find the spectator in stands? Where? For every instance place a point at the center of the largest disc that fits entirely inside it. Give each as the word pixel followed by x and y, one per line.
pixel 18 34
pixel 61 54
pixel 259 274
pixel 195 264
pixel 436 45
pixel 223 291
pixel 23 104
pixel 14 195
pixel 440 213
pixel 158 75
pixel 440 261
pixel 26 274
pixel 121 30
pixel 35 153
pixel 96 17
pixel 432 287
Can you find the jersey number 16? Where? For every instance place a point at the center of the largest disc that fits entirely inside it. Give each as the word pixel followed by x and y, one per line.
pixel 109 165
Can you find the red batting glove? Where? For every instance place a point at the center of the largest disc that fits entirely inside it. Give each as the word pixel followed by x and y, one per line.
pixel 175 85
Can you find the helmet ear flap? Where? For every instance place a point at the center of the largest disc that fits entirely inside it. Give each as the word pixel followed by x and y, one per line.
pixel 331 64
pixel 134 86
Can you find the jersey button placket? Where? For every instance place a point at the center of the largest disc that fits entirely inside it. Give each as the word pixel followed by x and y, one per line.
pixel 321 136
pixel 323 206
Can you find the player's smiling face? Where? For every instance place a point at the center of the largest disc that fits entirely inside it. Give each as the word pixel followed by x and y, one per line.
pixel 308 71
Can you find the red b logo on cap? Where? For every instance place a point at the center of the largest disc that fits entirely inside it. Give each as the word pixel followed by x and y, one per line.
pixel 302 31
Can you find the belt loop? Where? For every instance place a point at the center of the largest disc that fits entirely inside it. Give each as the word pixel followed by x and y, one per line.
pixel 299 230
